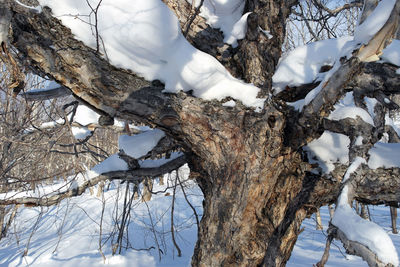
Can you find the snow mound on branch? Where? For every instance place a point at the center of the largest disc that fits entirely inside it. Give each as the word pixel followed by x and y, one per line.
pixel 145 36
pixel 374 22
pixel 302 65
pixel 328 149
pixel 112 163
pixel 385 155
pixel 238 32
pixel 363 231
pixel 85 116
pixel 347 109
pixel 139 145
pixel 226 16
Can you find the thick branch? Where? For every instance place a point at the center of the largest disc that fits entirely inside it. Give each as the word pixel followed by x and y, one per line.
pixel 75 66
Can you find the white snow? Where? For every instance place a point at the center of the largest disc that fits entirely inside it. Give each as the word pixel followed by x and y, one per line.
pixel 353 167
pixel 346 108
pixel 80 132
pixel 112 163
pixel 230 103
pixel 154 163
pixel 328 149
pixel 385 155
pixel 50 85
pixel 139 145
pixel 391 53
pixel 363 231
pixel 225 15
pixel 145 36
pixel 267 33
pixel 85 116
pixel 78 236
pixel 75 241
pixel 37 9
pixel 359 141
pixel 374 22
pixel 238 32
pixel 302 65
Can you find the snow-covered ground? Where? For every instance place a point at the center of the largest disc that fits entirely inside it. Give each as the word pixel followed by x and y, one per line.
pixel 68 234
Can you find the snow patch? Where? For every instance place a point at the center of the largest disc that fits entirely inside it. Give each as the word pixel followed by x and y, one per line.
pixel 230 103
pixel 359 141
pixel 238 32
pixel 85 116
pixel 139 145
pixel 328 149
pixel 365 232
pixel 80 132
pixel 302 65
pixel 385 155
pixel 391 53
pixel 226 16
pixel 353 167
pixel 374 22
pixel 347 109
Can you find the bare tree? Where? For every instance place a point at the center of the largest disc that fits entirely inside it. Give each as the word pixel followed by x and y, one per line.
pixel 256 179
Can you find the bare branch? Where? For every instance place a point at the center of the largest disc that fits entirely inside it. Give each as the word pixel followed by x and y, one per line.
pixel 131 175
pixel 40 95
pixel 334 12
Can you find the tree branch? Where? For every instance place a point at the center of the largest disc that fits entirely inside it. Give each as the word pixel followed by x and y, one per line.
pixel 136 175
pixel 40 95
pixel 75 66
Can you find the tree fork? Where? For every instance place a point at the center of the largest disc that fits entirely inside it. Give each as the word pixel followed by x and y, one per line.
pixel 254 187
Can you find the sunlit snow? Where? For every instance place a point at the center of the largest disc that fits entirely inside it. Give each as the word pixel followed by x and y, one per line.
pixel 363 231
pixel 346 108
pixel 374 22
pixel 328 149
pixel 139 145
pixel 226 16
pixel 391 53
pixel 385 155
pixel 303 64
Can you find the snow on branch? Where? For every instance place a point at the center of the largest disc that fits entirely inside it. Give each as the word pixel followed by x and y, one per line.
pixel 362 237
pixel 377 31
pixel 157 49
pixel 136 176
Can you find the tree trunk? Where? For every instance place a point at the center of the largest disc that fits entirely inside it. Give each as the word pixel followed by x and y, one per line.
pixel 393 216
pixel 252 184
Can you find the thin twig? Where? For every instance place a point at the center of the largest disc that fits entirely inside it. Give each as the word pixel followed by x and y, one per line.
pixel 172 218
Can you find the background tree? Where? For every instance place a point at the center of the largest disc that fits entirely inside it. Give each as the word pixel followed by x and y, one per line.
pixel 249 159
